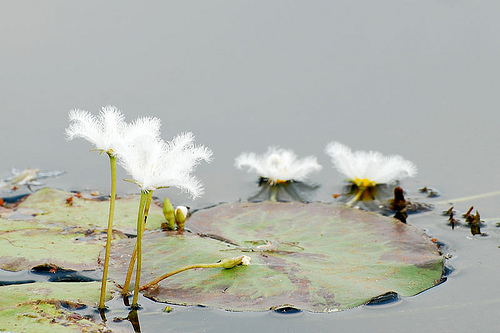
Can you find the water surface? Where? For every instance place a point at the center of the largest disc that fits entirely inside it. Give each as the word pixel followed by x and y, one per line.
pixel 418 79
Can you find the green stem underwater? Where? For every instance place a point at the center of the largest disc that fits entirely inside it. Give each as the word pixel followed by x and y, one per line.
pixel 109 236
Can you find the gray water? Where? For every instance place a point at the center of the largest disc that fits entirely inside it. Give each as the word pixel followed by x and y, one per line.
pixel 418 79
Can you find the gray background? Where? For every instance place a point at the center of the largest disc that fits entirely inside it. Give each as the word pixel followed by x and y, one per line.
pixel 416 78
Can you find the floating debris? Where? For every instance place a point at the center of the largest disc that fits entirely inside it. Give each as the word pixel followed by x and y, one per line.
pixel 449 211
pixel 452 221
pixel 399 204
pixel 474 221
pixel 431 193
pixel 27 177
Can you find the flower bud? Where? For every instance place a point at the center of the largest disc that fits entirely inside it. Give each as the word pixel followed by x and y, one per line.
pixel 168 212
pixel 235 261
pixel 181 213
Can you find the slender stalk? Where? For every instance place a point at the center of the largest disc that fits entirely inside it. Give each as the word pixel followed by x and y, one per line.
pixel 274 193
pixel 356 196
pixel 185 268
pixel 224 263
pixel 140 231
pixel 109 236
pixel 131 264
pixel 130 270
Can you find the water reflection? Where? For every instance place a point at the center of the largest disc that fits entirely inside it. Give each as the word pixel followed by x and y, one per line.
pixel 133 317
pixel 287 191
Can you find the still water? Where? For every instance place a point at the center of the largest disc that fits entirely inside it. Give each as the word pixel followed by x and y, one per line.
pixel 419 79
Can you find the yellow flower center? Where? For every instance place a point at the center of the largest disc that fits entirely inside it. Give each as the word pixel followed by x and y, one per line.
pixel 365 182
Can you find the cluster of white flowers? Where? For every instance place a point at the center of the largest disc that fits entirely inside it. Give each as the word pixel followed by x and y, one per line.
pixel 152 162
pixel 278 165
pixel 365 170
pixel 370 167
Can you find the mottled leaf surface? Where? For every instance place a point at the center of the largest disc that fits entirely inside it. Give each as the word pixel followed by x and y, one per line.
pixel 87 213
pixel 328 258
pixel 46 307
pixel 45 229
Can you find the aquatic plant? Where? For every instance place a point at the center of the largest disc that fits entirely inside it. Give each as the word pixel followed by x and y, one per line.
pixel 107 133
pixel 155 164
pixel 181 213
pixel 110 134
pixel 368 171
pixel 278 166
pixel 226 263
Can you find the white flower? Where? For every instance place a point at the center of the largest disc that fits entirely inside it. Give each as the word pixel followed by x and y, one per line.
pixel 369 167
pixel 278 165
pixel 108 131
pixel 105 131
pixel 154 163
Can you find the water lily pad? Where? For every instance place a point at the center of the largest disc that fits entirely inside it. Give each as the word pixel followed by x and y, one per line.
pixel 89 213
pixel 70 249
pixel 45 307
pixel 45 229
pixel 322 258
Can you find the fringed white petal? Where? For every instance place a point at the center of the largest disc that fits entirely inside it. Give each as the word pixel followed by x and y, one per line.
pixel 371 165
pixel 154 163
pixel 106 131
pixel 278 164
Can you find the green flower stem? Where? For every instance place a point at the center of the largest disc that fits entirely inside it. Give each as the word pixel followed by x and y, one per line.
pixel 356 197
pixel 130 270
pixel 226 263
pixel 185 268
pixel 109 236
pixel 140 231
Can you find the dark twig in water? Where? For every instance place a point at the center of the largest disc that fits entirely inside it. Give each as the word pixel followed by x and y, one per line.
pixel 449 212
pixel 475 223
pixel 399 205
pixel 466 215
pixel 452 221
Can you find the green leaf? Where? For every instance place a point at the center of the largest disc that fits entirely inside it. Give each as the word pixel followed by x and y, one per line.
pixel 44 229
pixel 328 258
pixel 37 307
pixel 89 213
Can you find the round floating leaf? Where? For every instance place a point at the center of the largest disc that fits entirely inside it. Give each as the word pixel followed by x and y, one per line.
pixel 89 213
pixel 45 229
pixel 316 257
pixel 44 307
pixel 73 249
